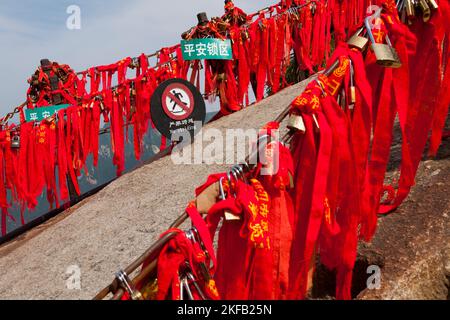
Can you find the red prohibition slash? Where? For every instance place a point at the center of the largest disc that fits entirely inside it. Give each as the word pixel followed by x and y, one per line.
pixel 181 101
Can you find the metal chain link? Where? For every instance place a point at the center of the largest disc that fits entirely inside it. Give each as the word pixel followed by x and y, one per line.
pixel 10 115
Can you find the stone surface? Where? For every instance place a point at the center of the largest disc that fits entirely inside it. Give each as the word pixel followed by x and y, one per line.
pixel 415 240
pixel 411 246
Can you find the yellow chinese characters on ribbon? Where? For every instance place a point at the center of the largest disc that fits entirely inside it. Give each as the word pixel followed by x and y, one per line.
pixel 335 80
pixel 258 224
pixel 42 134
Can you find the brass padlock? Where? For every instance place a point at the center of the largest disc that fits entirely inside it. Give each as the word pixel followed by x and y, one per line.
pixel 423 4
pixel 15 142
pixel 385 53
pixel 102 106
pixel 433 4
pixel 410 9
pixel 351 105
pixel 296 123
pixel 357 41
pixel 396 63
pixel 342 99
pixel 132 100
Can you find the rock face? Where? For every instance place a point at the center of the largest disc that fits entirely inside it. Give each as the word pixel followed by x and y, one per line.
pixel 414 241
pixel 412 245
pixel 108 230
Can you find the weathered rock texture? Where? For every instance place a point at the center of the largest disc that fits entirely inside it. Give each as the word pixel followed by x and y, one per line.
pixel 411 246
pixel 415 241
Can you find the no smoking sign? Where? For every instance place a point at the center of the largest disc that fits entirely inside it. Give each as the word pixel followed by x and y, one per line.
pixel 177 106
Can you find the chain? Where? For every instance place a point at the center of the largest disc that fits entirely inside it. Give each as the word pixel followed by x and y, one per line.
pixel 10 115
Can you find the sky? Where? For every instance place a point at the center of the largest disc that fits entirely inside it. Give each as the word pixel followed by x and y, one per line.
pixel 110 30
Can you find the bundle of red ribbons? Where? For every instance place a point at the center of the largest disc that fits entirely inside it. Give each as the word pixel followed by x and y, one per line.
pixel 31 152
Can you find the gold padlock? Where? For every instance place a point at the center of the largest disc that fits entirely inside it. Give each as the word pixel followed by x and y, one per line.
pixel 102 106
pixel 341 98
pixel 15 142
pixel 433 4
pixel 296 123
pixel 397 63
pixel 357 41
pixel 410 10
pixel 352 97
pixel 385 54
pixel 423 4
pixel 352 87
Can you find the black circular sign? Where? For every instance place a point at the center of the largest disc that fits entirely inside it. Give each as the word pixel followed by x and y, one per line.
pixel 177 106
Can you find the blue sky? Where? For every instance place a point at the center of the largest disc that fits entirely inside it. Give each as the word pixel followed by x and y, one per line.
pixel 110 30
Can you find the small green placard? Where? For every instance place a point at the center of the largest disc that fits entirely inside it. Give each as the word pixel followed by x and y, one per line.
pixel 206 49
pixel 39 114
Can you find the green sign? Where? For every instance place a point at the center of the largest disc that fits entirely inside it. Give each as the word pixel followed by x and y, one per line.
pixel 39 114
pixel 208 48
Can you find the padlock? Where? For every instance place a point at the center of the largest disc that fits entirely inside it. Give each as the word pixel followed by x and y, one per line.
pixel 132 100
pixel 296 123
pixel 342 98
pixel 313 8
pixel 15 142
pixel 235 173
pixel 385 54
pixel 423 4
pixel 316 123
pixel 357 41
pixel 180 280
pixel 51 120
pixel 352 97
pixel 410 9
pixel 194 237
pixel 221 191
pixel 239 170
pixel 126 283
pixel 245 35
pixel 185 284
pixel 229 216
pixel 352 87
pixel 194 282
pixel 433 4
